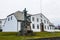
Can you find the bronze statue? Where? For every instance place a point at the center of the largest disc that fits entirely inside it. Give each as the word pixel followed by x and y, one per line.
pixel 25 25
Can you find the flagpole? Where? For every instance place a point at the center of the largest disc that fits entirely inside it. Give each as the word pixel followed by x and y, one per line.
pixel 41 6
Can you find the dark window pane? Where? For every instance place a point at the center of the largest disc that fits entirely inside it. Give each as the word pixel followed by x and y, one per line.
pixel 37 26
pixel 45 26
pixel 41 20
pixel 33 26
pixel 11 17
pixel 48 27
pixel 8 19
pixel 41 16
pixel 37 20
pixel 0 26
pixel 0 22
pixel 32 18
pixel 44 21
pixel 47 22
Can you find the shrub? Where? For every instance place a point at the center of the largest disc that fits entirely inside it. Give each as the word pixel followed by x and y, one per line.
pixel 0 30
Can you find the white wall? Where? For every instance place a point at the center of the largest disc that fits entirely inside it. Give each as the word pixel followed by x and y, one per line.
pixel 51 29
pixel 45 24
pixel 11 25
pixel 19 26
pixel 35 22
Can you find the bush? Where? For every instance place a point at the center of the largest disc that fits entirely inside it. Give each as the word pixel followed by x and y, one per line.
pixel 0 30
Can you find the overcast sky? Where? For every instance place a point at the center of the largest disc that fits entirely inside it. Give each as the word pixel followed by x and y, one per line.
pixel 50 8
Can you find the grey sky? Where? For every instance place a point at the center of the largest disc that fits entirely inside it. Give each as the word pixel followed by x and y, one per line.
pixel 9 6
pixel 50 8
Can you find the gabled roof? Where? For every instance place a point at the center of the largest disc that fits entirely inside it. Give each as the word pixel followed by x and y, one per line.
pixel 19 15
pixel 40 15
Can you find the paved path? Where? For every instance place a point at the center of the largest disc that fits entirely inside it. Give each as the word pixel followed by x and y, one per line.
pixel 54 38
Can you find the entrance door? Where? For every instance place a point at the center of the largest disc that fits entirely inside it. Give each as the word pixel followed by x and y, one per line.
pixel 42 26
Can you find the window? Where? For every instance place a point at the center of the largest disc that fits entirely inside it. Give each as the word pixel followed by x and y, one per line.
pixel 44 21
pixel 8 19
pixel 0 26
pixel 33 18
pixel 41 16
pixel 45 26
pixel 47 22
pixel 33 26
pixel 11 17
pixel 37 26
pixel 37 20
pixel 50 28
pixel 41 20
pixel 0 22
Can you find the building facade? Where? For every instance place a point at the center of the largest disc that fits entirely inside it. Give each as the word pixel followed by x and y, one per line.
pixel 13 22
pixel 38 22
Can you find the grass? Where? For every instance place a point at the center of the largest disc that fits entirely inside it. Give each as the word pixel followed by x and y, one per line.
pixel 13 35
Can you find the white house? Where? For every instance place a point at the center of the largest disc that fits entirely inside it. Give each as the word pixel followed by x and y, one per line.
pixel 13 22
pixel 38 22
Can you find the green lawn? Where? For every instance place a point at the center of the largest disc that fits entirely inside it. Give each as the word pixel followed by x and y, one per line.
pixel 13 35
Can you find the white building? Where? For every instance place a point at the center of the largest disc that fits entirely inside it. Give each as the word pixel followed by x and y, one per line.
pixel 40 23
pixel 51 27
pixel 13 22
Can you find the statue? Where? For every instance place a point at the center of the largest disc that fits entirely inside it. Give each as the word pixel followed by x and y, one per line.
pixel 25 25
